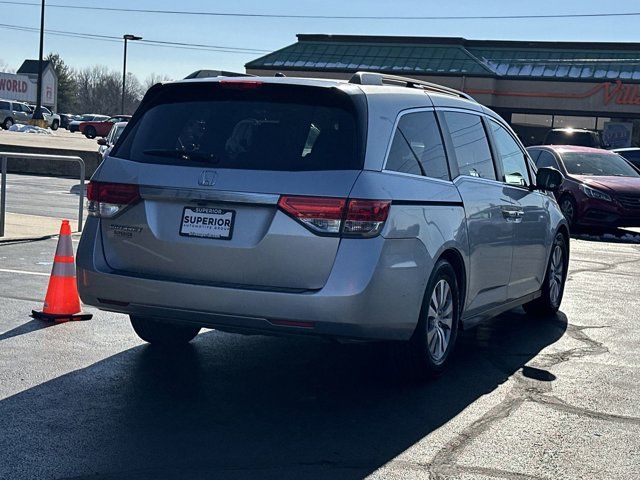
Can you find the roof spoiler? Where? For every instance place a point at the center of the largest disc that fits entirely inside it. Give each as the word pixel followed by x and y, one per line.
pixel 215 73
pixel 372 78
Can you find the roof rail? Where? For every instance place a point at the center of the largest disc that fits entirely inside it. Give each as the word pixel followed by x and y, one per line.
pixel 371 78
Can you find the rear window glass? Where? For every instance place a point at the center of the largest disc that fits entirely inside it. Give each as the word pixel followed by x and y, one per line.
pixel 268 127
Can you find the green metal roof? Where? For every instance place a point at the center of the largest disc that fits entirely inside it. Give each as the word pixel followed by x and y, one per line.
pixel 352 56
pixel 457 56
pixel 561 63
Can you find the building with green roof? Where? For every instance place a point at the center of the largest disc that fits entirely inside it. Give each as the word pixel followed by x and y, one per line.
pixel 533 85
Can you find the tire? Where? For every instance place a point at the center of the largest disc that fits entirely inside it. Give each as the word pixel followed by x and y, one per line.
pixel 90 132
pixel 427 354
pixel 568 208
pixel 55 125
pixel 7 123
pixel 554 280
pixel 163 334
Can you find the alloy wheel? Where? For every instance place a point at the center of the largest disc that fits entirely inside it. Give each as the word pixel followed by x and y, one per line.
pixel 439 321
pixel 567 210
pixel 556 273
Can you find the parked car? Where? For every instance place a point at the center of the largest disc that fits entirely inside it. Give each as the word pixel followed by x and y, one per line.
pixel 366 210
pixel 66 119
pixel 12 112
pixel 53 119
pixel 574 136
pixel 101 127
pixel 74 126
pixel 105 143
pixel 631 154
pixel 601 189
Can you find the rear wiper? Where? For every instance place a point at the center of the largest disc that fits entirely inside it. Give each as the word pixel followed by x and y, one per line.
pixel 173 153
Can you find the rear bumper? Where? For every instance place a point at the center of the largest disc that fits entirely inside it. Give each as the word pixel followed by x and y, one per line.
pixel 374 291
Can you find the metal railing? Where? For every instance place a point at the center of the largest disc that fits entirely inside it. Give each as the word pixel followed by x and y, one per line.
pixel 6 156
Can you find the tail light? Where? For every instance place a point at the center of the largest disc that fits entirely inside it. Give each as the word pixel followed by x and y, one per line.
pixel 107 200
pixel 319 214
pixel 240 84
pixel 335 216
pixel 366 217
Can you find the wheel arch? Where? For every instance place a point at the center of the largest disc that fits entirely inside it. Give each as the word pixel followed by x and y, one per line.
pixel 454 257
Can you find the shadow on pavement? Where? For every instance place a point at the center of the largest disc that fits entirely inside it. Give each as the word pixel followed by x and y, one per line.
pixel 28 327
pixel 250 407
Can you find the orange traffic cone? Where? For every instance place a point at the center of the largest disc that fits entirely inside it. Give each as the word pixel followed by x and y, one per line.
pixel 62 301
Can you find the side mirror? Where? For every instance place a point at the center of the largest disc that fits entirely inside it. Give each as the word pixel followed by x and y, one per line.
pixel 102 141
pixel 549 179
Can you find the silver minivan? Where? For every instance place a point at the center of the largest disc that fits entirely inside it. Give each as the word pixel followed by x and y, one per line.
pixel 382 209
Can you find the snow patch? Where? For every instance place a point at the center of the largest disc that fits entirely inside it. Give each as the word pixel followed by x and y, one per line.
pixel 19 127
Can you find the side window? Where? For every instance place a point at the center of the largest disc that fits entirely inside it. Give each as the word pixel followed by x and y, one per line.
pixel 5 106
pixel 546 159
pixel 417 147
pixel 514 165
pixel 470 144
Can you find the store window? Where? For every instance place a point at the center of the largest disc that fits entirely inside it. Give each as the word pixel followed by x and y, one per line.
pixel 531 128
pixel 531 119
pixel 570 121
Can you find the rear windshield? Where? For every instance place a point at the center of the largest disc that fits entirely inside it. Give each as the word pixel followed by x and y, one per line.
pixel 263 127
pixel 597 164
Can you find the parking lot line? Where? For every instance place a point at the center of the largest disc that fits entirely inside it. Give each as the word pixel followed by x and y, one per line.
pixel 24 272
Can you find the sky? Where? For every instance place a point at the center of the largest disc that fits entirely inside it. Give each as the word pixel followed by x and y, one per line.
pixel 268 34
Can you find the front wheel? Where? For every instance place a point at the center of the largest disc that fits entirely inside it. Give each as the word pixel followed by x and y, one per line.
pixel 553 288
pixel 569 209
pixel 55 125
pixel 429 350
pixel 164 334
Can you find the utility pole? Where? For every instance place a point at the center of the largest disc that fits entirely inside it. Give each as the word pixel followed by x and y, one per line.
pixel 37 114
pixel 124 67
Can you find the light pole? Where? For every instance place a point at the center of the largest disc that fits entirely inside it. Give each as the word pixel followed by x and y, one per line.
pixel 126 37
pixel 37 114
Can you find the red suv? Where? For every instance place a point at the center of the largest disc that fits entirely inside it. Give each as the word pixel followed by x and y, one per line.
pixel 601 189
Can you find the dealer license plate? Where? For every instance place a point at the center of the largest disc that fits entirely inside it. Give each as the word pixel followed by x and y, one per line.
pixel 207 223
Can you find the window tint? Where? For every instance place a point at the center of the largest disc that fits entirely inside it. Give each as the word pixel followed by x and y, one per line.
pixel 470 144
pixel 417 147
pixel 5 106
pixel 511 156
pixel 270 127
pixel 546 159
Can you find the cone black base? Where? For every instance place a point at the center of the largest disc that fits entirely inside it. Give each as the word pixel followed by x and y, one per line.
pixel 60 318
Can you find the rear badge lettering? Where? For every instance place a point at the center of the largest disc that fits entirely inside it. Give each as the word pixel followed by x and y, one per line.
pixel 126 231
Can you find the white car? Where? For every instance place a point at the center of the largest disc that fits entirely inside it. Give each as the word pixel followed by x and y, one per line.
pixel 110 140
pixel 52 119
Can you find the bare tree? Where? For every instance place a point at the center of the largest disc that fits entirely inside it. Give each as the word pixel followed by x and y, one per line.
pixel 154 78
pixel 99 90
pixel 4 67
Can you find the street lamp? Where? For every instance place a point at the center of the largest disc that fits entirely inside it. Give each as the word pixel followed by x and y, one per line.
pixel 124 68
pixel 37 114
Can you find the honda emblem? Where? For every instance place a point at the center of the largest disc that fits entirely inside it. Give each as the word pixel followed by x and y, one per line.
pixel 208 178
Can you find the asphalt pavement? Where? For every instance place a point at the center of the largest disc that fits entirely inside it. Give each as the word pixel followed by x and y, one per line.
pixel 554 398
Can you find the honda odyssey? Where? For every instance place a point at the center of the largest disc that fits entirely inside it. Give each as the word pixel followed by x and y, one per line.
pixel 382 208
